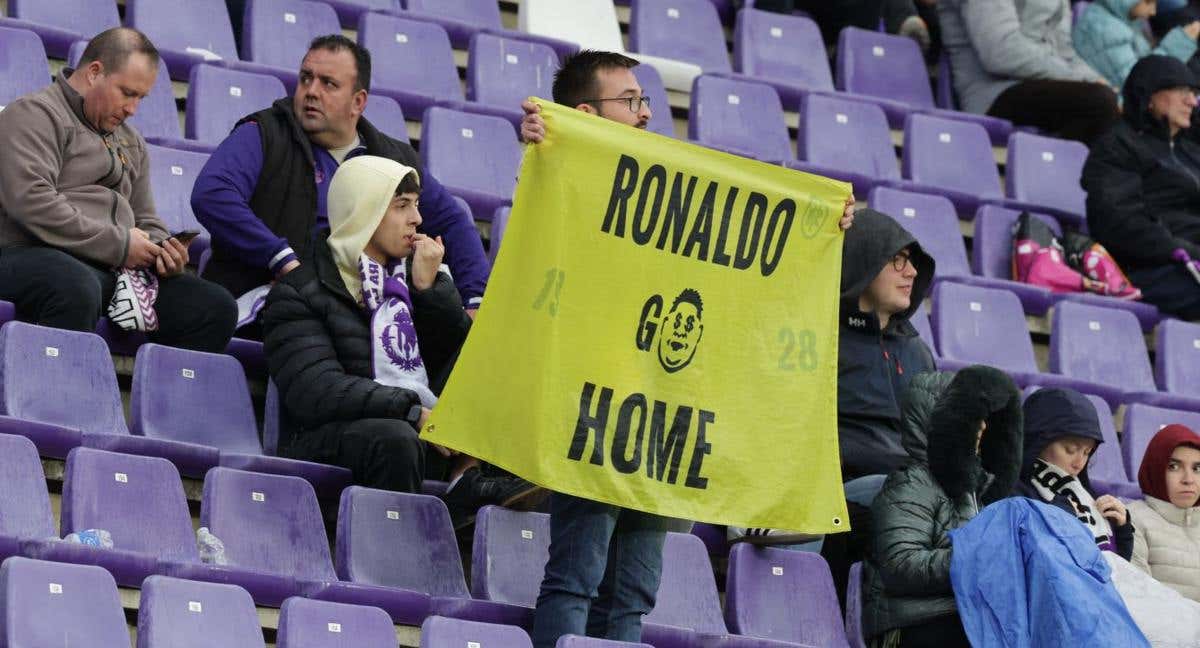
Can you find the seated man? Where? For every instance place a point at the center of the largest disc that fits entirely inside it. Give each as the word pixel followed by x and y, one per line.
pixel 1143 185
pixel 361 338
pixel 76 207
pixel 262 194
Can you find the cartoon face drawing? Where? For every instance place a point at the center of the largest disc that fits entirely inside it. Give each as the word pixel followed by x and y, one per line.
pixel 681 331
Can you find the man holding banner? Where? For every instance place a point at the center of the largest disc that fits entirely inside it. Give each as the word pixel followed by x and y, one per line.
pixel 650 298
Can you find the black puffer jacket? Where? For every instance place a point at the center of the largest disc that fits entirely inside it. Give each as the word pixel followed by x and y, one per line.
pixel 318 346
pixel 906 578
pixel 874 366
pixel 1143 186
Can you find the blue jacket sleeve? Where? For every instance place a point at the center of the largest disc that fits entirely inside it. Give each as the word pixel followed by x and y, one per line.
pixel 221 201
pixel 464 251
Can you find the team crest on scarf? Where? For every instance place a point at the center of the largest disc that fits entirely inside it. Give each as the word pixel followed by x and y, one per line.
pixel 396 352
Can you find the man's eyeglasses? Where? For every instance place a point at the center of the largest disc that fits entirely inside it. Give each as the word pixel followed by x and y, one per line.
pixel 634 103
pixel 900 261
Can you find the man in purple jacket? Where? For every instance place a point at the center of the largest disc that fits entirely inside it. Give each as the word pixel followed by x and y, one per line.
pixel 262 193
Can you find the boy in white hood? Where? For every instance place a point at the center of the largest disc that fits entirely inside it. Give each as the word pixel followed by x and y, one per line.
pixel 361 338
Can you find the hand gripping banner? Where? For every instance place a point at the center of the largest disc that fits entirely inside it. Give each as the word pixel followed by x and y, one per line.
pixel 660 332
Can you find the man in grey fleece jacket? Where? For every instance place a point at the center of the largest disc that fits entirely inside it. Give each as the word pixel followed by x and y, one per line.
pixel 75 203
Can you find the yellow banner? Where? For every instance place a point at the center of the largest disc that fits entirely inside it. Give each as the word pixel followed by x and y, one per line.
pixel 660 332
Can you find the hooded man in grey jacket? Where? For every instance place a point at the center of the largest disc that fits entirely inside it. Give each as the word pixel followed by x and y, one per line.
pixel 76 206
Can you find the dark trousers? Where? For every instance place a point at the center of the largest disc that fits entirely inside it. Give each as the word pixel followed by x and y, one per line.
pixel 52 288
pixel 1171 288
pixel 603 573
pixel 381 453
pixel 943 632
pixel 1075 110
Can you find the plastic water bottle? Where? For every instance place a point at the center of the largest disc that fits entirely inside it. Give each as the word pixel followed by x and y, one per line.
pixel 212 550
pixel 92 538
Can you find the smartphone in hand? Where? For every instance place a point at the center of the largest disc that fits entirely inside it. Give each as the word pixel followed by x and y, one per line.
pixel 185 236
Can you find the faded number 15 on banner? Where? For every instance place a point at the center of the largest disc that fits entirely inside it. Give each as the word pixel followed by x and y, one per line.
pixel 797 349
pixel 551 290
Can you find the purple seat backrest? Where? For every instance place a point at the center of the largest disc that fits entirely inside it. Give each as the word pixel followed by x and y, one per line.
pixel 157 115
pixel 509 554
pixel 272 416
pixel 1100 345
pixel 24 502
pixel 1142 422
pixel 219 97
pixel 268 523
pixel 180 24
pixel 441 632
pixel 778 46
pixel 192 396
pixel 882 65
pixel 138 499
pixel 504 72
pixel 950 154
pixel 386 115
pixel 23 67
pixel 177 612
pixel 687 594
pixel 59 604
pixel 499 225
pixel 1177 357
pixel 40 366
pixel 172 174
pixel 740 114
pixel 1045 171
pixel 982 326
pixel 1106 462
pixel 854 606
pixel 82 18
pixel 932 220
pixel 991 247
pixel 484 14
pixel 478 152
pixel 305 623
pixel 417 54
pixel 661 121
pixel 350 11
pixel 576 641
pixel 920 321
pixel 944 88
pixel 277 32
pixel 373 523
pixel 784 595
pixel 846 135
pixel 684 30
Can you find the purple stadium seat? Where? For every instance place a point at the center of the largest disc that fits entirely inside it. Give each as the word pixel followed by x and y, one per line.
pixel 186 32
pixel 847 140
pixel 944 86
pixel 890 70
pixel 462 19
pixel 276 34
pixel 499 224
pixel 419 71
pixel 683 30
pixel 991 255
pixel 782 594
pixel 372 523
pixel 784 51
pixel 55 605
pixel 688 609
pixel 503 72
pixel 139 500
pixel 920 321
pixel 443 632
pixel 1142 422
pixel 8 311
pixel 250 354
pixel 62 22
pixel 509 554
pixel 661 121
pixel 576 641
pixel 715 537
pixel 854 607
pixel 1045 171
pixel 932 220
pixel 202 398
pixel 172 174
pixel 386 115
pixel 304 623
pixel 190 614
pixel 1106 470
pixel 476 157
pixel 24 504
pixel 218 97
pixel 740 117
pixel 1177 357
pixel 350 11
pixel 23 67
pixel 271 420
pixel 1103 348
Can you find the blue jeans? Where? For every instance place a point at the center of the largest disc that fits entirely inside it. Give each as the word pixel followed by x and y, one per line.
pixel 603 574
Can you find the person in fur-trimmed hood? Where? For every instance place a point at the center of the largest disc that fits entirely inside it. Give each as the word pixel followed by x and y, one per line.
pixel 963 437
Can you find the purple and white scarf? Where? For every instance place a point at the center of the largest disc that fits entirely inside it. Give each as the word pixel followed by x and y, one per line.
pixel 395 353
pixel 132 305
